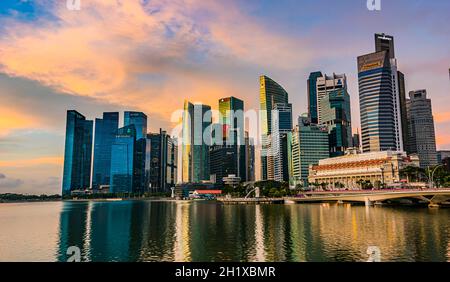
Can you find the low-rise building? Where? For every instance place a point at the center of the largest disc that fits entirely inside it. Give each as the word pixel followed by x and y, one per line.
pixel 350 171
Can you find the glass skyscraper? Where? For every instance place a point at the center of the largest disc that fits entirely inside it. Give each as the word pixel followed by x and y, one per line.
pixel 196 122
pixel 312 96
pixel 307 144
pixel 270 94
pixel 105 134
pixel 232 147
pixel 281 126
pixel 163 164
pixel 376 99
pixel 77 153
pixel 422 138
pixel 336 116
pixel 139 120
pixel 122 160
pixel 325 85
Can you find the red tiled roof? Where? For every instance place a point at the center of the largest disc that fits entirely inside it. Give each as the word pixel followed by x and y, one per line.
pixel 209 191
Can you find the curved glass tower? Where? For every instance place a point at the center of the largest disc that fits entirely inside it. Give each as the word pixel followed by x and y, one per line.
pixel 270 93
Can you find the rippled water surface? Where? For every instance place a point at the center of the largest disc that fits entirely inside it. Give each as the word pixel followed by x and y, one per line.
pixel 206 231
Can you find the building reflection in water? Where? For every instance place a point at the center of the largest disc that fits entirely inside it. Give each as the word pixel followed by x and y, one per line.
pixel 203 231
pixel 181 248
pixel 260 255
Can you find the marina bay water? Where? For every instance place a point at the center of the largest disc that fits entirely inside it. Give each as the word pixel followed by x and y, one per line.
pixel 206 231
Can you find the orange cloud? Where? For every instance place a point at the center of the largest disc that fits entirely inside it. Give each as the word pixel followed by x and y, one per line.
pixel 442 117
pixel 57 160
pixel 12 120
pixel 102 50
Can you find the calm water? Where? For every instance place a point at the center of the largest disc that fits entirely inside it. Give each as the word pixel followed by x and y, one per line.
pixel 202 231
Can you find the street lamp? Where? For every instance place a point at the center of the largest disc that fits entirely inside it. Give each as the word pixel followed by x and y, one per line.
pixel 432 176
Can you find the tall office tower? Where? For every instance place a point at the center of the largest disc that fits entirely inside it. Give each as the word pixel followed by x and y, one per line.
pixel 141 170
pixel 281 126
pixel 324 86
pixel 163 165
pixel 77 153
pixel 196 123
pixel 139 120
pixel 231 117
pixel 336 115
pixel 385 42
pixel 307 144
pixel 141 150
pixel 312 96
pixel 422 139
pixel 172 162
pixel 105 134
pixel 377 103
pixel 249 158
pixel 122 160
pixel 270 94
pixel 403 112
pixel 231 111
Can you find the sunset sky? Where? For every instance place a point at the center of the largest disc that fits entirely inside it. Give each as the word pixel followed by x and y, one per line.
pixel 150 55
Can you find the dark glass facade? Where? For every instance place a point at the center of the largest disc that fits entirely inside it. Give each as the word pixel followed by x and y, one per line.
pixel 77 153
pixel 336 115
pixel 139 120
pixel 105 134
pixel 312 96
pixel 122 160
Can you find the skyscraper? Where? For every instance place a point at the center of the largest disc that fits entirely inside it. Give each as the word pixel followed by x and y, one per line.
pixel 197 120
pixel 380 97
pixel 307 144
pixel 403 111
pixel 141 169
pixel 163 165
pixel 231 111
pixel 312 96
pixel 271 93
pixel 324 86
pixel 376 99
pixel 336 116
pixel 422 139
pixel 105 134
pixel 122 160
pixel 281 126
pixel 249 158
pixel 77 153
pixel 141 150
pixel 139 120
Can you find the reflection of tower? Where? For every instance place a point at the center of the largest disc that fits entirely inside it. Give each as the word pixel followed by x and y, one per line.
pixel 72 228
pixel 260 254
pixel 87 239
pixel 181 246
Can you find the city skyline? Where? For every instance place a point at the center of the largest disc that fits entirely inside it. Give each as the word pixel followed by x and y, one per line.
pixel 37 94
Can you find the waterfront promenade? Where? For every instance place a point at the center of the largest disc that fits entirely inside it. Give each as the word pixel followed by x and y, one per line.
pixel 432 197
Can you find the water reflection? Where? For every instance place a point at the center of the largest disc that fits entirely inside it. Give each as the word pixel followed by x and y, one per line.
pixel 202 231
